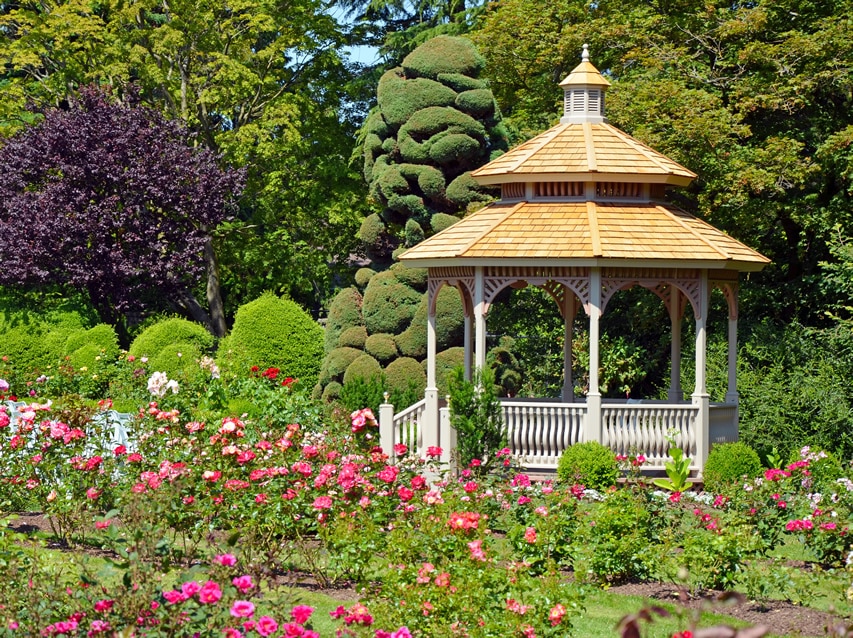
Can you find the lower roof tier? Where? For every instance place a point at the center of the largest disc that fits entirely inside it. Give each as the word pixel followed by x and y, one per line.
pixel 584 232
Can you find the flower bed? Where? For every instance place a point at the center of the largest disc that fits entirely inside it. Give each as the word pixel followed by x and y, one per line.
pixel 201 512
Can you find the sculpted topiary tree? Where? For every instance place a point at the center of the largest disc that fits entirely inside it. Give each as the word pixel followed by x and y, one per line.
pixel 435 121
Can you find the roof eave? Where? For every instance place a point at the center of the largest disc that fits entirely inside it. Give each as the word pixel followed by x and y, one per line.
pixel 593 262
pixel 494 179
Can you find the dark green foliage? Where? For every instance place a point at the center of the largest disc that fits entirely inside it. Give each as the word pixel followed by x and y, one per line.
pixel 444 54
pixel 363 392
pixel 440 221
pixel 422 137
pixel 505 367
pixel 381 346
pixel 344 312
pixel 274 332
pixel 389 304
pixel 414 277
pixel 590 464
pixel 362 276
pixel 364 367
pixel 332 391
pixel 337 362
pixel 479 103
pixel 449 321
pixel 174 330
pixel 475 413
pixel 413 341
pixel 371 229
pixel 403 373
pixel 464 191
pixel 460 83
pixel 445 362
pixel 353 337
pixel 728 464
pixel 399 98
pixel 413 233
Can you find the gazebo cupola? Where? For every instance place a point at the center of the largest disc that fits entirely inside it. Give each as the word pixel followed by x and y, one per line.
pixel 582 215
pixel 584 89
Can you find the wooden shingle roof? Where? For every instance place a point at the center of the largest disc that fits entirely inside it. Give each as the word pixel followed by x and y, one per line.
pixel 584 232
pixel 583 152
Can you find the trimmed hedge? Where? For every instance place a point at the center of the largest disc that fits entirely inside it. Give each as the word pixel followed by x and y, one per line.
pixel 405 373
pixel 389 304
pixel 180 361
pixel 344 312
pixel 353 337
pixel 170 331
pixel 274 332
pixel 102 336
pixel 445 362
pixel 381 346
pixel 590 463
pixel 363 276
pixel 337 362
pixel 417 278
pixel 365 367
pixel 444 54
pixel 441 221
pixel 728 464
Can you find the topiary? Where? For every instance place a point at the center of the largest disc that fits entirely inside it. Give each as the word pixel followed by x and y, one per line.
pixel 589 463
pixel 440 221
pixel 381 346
pixel 363 276
pixel 274 332
pixel 728 464
pixel 414 277
pixel 444 54
pixel 331 392
pixel 344 312
pixel 170 331
pixel 353 337
pixel 102 336
pixel 405 373
pixel 364 367
pixel 25 349
pixel 389 304
pixel 180 361
pixel 449 325
pixel 337 362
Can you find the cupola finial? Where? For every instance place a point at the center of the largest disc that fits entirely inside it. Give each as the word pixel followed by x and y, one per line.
pixel 585 54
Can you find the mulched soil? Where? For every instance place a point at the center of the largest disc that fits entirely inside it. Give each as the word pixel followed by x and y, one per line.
pixel 779 617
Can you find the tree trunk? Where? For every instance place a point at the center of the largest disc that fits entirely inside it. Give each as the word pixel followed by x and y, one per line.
pixel 214 291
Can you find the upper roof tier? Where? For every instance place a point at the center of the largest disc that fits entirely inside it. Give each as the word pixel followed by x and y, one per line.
pixel 583 147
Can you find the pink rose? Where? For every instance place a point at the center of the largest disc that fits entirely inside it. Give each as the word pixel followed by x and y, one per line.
pixel 242 609
pixel 210 593
pixel 301 613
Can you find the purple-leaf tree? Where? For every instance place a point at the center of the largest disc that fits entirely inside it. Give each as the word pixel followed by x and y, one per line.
pixel 109 198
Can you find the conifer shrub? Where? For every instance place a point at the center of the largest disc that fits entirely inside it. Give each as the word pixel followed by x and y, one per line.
pixel 362 276
pixel 353 337
pixel 464 191
pixel 404 374
pixel 102 336
pixel 728 464
pixel 381 346
pixel 332 391
pixel 413 233
pixel 344 312
pixel 479 103
pixel 400 98
pixel 389 304
pixel 444 54
pixel 26 350
pixel 364 367
pixel 180 361
pixel 371 229
pixel 414 277
pixel 589 463
pixel 412 342
pixel 441 221
pixel 461 83
pixel 274 332
pixel 173 330
pixel 337 362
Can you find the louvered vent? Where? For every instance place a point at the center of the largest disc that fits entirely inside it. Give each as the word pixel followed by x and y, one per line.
pixel 657 191
pixel 595 102
pixel 513 190
pixel 559 189
pixel 618 190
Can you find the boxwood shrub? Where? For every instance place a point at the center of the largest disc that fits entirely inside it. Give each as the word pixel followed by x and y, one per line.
pixel 728 464
pixel 589 463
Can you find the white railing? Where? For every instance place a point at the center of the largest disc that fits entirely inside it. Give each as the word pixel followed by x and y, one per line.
pixel 538 432
pixel 643 429
pixel 407 427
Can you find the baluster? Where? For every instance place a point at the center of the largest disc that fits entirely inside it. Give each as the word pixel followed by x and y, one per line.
pixel 552 432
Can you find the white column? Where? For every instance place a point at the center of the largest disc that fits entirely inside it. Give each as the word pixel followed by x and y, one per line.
pixel 569 310
pixel 732 393
pixel 386 427
pixel 479 319
pixel 430 423
pixel 700 392
pixel 593 397
pixel 467 341
pixel 675 394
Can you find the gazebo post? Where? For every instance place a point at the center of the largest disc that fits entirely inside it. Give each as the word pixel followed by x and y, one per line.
pixel 675 394
pixel 479 319
pixel 430 425
pixel 569 310
pixel 593 397
pixel 732 393
pixel 467 342
pixel 701 398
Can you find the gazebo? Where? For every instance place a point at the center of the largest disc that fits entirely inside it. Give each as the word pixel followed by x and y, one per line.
pixel 582 215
